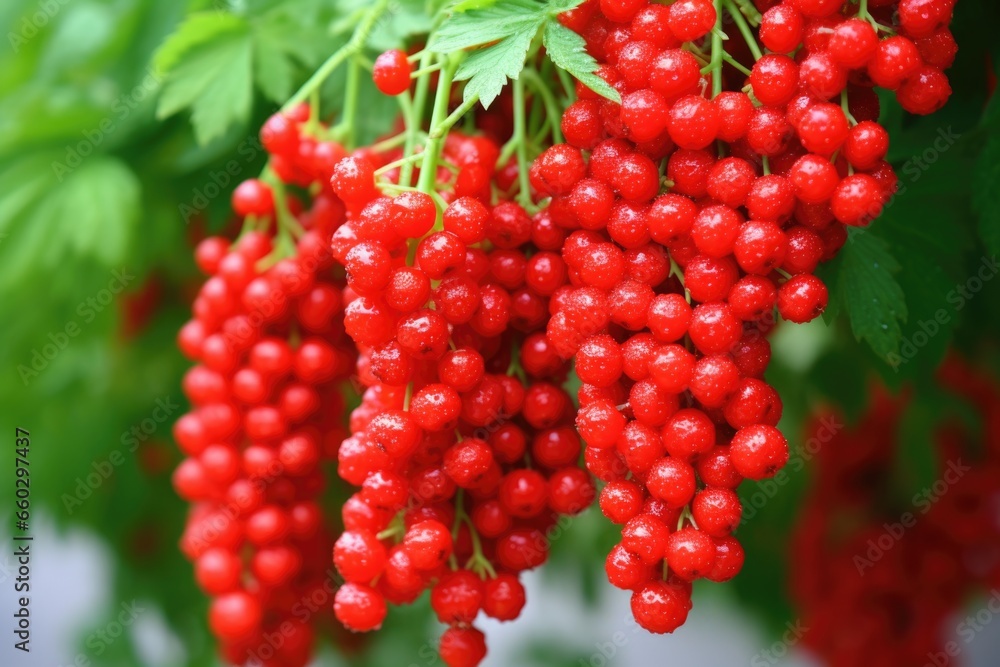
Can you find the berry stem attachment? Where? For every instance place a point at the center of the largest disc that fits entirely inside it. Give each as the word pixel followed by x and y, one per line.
pixel 846 108
pixel 407 397
pixel 863 13
pixel 353 46
pixel 686 516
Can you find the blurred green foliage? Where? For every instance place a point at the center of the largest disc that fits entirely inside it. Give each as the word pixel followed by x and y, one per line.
pixel 124 125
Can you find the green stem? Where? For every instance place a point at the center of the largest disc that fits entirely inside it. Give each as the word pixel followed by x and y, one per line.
pixel 415 120
pixel 766 165
pixel 706 65
pixel 524 185
pixel 548 99
pixel 864 14
pixel 354 45
pixel 676 270
pixel 748 10
pixel 567 84
pixel 428 170
pixel 735 63
pixel 349 120
pixel 718 51
pixel 287 228
pixel 312 126
pixel 846 107
pixel 744 28
pixel 441 129
pixel 425 70
pixel 514 368
pixel 391 142
pixel 398 163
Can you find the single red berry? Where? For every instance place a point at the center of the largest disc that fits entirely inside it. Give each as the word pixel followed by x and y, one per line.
pixel 391 72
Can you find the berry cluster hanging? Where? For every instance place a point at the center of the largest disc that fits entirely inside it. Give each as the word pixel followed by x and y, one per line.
pixel 460 276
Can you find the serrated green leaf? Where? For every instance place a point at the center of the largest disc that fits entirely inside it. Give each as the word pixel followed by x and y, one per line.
pixel 196 30
pixel 488 70
pixel 273 68
pixel 51 212
pixel 560 6
pixel 872 297
pixel 490 24
pixel 567 49
pixel 102 199
pixel 215 81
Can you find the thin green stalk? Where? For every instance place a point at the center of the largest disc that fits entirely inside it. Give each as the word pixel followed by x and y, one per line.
pixel 548 99
pixel 846 107
pixel 312 125
pixel 398 163
pixel 735 63
pixel 350 116
pixel 425 70
pixel 428 170
pixel 441 129
pixel 748 10
pixel 718 51
pixel 524 195
pixel 354 45
pixel 415 119
pixel 567 84
pixel 744 28
pixel 391 142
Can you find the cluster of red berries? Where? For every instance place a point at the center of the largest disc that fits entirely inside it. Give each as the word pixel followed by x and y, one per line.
pixel 653 250
pixel 857 551
pixel 696 208
pixel 463 446
pixel 267 409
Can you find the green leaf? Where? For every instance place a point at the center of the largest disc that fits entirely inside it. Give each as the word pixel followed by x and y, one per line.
pixel 567 49
pixel 489 24
pixel 215 81
pixel 51 213
pixel 197 29
pixel 560 6
pixel 872 297
pixel 272 70
pixel 986 195
pixel 488 70
pixel 507 29
pixel 102 200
